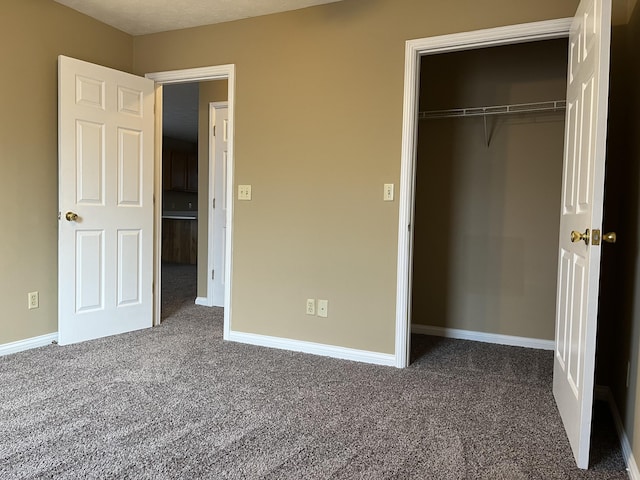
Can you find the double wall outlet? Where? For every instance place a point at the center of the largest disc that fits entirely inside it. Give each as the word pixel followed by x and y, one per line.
pixel 388 192
pixel 323 307
pixel 311 306
pixel 33 300
pixel 244 192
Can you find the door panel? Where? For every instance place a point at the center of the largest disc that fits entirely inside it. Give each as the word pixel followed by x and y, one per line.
pixel 130 167
pixel 91 164
pixel 89 270
pixel 582 198
pixel 129 258
pixel 106 178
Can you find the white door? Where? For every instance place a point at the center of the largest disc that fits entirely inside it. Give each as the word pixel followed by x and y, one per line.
pixel 220 128
pixel 582 203
pixel 105 231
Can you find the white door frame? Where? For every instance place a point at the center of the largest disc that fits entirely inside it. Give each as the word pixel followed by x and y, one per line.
pixel 414 49
pixel 212 178
pixel 203 74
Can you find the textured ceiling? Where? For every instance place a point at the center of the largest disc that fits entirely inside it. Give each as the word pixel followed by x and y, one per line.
pixel 139 17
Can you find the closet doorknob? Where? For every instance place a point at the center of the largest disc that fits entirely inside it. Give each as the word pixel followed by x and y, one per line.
pixel 71 217
pixel 610 237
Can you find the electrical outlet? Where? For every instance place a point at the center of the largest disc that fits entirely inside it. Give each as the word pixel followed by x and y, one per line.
pixel 388 192
pixel 33 300
pixel 311 306
pixel 323 308
pixel 244 192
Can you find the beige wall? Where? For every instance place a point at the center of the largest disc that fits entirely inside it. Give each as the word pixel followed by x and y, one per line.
pixel 487 217
pixel 33 34
pixel 317 150
pixel 214 91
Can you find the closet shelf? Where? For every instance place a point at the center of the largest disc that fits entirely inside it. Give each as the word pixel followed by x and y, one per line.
pixel 537 107
pixel 552 106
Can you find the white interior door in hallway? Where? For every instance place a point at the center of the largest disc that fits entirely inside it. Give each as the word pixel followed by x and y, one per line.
pixel 219 128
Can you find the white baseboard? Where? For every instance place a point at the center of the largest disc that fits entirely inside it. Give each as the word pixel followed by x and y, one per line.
pixel 484 337
pixel 313 348
pixel 28 343
pixel 604 393
pixel 203 301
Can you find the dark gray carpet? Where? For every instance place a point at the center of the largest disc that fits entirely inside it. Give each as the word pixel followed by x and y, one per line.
pixel 177 402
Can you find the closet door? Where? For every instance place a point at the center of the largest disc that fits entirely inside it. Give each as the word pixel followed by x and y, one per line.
pixel 581 220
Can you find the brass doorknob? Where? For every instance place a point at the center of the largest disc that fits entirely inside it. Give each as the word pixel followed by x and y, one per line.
pixel 71 217
pixel 577 236
pixel 610 237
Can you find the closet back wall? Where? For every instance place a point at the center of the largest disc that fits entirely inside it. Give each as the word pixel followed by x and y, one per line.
pixel 487 217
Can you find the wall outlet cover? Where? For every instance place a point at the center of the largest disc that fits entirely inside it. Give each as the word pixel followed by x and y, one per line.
pixel 244 192
pixel 33 300
pixel 323 308
pixel 311 306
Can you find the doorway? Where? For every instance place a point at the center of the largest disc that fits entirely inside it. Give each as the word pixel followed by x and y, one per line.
pixel 192 232
pixel 487 189
pixel 180 159
pixel 415 50
pixel 589 33
pixel 224 73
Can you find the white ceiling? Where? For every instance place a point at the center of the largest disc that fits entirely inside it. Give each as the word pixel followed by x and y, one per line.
pixel 139 17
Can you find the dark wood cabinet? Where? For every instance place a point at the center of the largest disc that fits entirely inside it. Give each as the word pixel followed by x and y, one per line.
pixel 178 169
pixel 192 172
pixel 179 166
pixel 179 241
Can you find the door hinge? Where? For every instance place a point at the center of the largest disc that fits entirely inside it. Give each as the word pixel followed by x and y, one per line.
pixel 213 272
pixel 214 203
pixel 214 130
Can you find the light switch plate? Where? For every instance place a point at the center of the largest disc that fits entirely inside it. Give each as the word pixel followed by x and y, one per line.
pixel 244 192
pixel 388 192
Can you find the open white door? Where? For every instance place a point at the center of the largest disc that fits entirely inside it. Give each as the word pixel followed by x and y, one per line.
pixel 219 120
pixel 105 232
pixel 582 204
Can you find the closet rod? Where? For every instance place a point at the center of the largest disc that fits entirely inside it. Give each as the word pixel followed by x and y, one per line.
pixel 551 106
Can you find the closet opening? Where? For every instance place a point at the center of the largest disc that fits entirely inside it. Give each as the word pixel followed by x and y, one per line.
pixel 489 155
pixel 503 277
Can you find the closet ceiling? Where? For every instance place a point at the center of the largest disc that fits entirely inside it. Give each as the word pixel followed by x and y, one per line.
pixel 151 16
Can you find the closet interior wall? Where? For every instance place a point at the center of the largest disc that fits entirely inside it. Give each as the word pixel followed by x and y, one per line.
pixel 487 217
